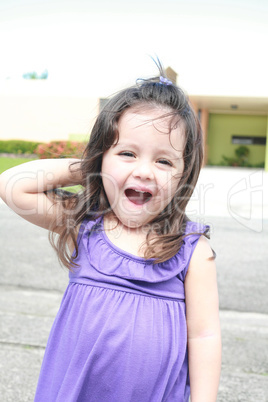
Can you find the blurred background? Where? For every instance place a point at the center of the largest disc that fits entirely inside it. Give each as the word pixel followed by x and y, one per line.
pixel 60 61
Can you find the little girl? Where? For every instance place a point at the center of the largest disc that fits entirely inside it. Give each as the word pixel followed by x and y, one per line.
pixel 139 320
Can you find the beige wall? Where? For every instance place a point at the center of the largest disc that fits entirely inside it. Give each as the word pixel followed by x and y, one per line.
pixel 45 117
pixel 204 118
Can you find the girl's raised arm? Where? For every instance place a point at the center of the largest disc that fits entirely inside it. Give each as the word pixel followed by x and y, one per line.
pixel 23 188
pixel 202 315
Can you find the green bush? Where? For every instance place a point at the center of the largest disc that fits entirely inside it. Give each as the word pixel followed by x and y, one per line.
pixel 60 149
pixel 18 146
pixel 240 158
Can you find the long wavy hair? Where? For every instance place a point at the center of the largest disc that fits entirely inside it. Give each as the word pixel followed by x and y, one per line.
pixel 167 231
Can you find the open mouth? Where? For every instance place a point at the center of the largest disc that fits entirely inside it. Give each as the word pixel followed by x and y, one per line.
pixel 138 197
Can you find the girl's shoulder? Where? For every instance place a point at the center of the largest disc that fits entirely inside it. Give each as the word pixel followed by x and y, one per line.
pixel 195 228
pixel 202 255
pixel 195 233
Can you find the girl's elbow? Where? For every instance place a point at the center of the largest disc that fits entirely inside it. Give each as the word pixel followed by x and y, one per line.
pixel 205 330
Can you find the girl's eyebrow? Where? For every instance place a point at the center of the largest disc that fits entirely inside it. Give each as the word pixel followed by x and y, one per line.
pixel 122 144
pixel 173 154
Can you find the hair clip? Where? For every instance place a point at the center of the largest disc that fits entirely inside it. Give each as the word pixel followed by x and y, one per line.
pixel 164 81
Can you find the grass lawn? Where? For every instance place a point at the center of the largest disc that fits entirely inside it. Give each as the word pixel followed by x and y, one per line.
pixel 6 163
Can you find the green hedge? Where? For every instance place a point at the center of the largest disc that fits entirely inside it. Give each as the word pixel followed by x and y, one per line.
pixel 18 146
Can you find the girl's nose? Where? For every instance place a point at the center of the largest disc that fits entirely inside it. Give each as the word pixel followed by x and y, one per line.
pixel 143 171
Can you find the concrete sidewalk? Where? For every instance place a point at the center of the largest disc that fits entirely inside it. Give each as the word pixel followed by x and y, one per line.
pixel 32 284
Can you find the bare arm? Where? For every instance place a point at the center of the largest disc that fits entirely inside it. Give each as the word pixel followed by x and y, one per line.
pixel 202 313
pixel 23 188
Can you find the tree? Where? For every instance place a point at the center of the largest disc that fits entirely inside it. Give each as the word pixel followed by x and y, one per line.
pixel 34 76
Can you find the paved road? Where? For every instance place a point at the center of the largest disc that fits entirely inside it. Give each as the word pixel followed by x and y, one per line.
pixel 32 283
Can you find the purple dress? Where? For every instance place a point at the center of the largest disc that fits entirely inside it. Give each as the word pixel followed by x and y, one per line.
pixel 120 334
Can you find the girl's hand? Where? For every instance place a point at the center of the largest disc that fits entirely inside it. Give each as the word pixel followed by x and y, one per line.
pixel 202 315
pixel 24 187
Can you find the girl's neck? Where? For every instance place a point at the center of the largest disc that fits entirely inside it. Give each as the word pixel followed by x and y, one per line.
pixel 131 240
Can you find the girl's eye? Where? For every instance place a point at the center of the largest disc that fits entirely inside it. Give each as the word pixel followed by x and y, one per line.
pixel 165 162
pixel 127 153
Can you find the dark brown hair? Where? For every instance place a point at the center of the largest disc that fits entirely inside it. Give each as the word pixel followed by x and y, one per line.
pixel 167 230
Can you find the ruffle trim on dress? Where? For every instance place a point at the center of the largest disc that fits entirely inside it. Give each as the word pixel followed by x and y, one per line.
pixel 110 260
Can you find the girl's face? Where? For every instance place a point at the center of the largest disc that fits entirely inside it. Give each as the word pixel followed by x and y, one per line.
pixel 141 172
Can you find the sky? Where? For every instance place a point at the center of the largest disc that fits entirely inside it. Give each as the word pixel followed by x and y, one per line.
pixel 103 45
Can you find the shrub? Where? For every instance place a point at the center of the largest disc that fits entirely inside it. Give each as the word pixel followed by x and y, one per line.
pixel 60 149
pixel 240 158
pixel 18 146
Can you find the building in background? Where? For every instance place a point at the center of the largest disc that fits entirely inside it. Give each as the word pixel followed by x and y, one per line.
pixel 230 123
pixel 38 110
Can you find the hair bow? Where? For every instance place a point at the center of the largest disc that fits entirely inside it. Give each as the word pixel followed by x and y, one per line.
pixel 164 81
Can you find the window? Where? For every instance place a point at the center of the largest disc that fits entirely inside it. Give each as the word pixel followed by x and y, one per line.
pixel 248 140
